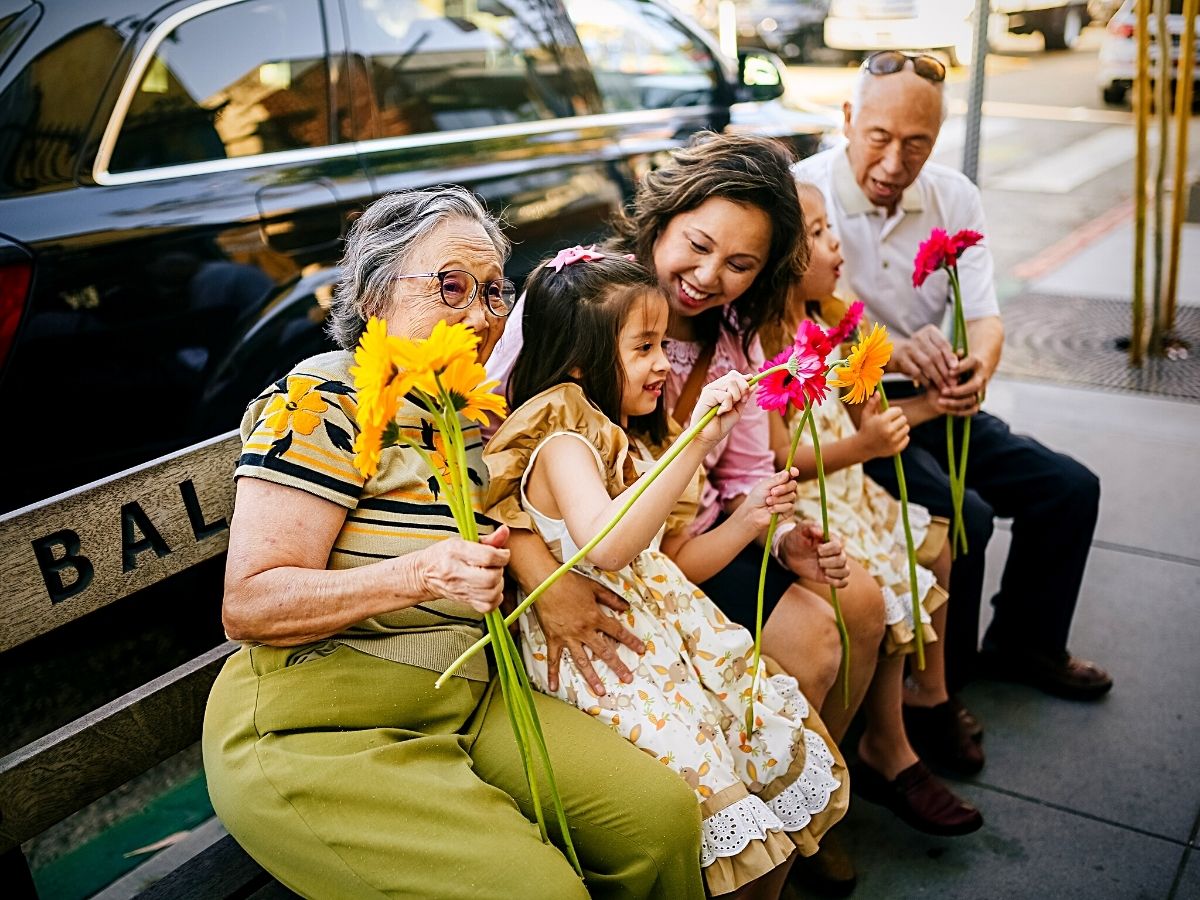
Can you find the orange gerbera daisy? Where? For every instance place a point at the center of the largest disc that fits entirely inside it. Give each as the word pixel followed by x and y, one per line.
pixel 300 407
pixel 864 369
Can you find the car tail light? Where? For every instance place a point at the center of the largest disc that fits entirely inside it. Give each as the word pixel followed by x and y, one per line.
pixel 14 285
pixel 1120 29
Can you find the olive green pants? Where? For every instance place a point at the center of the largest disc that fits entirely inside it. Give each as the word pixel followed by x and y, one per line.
pixel 348 776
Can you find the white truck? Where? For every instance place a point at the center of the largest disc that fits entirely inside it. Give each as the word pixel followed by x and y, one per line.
pixel 863 26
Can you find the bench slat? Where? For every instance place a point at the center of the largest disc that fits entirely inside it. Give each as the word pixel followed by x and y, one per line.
pixel 222 871
pixel 89 547
pixel 44 782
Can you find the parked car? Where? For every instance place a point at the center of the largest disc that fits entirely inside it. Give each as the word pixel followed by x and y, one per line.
pixel 176 178
pixel 794 29
pixel 946 25
pixel 1118 50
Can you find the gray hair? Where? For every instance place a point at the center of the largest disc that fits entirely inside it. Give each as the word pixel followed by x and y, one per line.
pixel 380 243
pixel 860 90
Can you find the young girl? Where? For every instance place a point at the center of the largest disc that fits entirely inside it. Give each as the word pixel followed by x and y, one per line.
pixel 869 520
pixel 588 385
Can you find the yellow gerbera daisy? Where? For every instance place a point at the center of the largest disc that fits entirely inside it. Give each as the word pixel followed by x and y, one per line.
pixel 445 344
pixel 466 382
pixel 300 407
pixel 368 448
pixel 864 368
pixel 378 382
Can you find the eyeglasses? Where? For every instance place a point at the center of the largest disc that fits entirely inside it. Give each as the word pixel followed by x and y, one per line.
pixel 459 289
pixel 889 62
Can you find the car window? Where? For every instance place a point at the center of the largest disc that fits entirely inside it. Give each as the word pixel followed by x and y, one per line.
pixel 239 80
pixel 439 65
pixel 641 56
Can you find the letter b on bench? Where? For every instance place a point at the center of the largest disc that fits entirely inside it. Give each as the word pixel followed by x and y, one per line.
pixel 58 553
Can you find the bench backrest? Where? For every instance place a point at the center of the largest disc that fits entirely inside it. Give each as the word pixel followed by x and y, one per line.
pixel 75 553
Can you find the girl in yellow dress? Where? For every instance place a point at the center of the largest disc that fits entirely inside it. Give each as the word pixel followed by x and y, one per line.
pixel 587 391
pixel 868 520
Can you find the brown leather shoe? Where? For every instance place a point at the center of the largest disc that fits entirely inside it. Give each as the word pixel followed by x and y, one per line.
pixel 1060 674
pixel 945 735
pixel 918 799
pixel 829 872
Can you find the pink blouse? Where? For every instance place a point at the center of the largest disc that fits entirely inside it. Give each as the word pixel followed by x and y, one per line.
pixel 744 457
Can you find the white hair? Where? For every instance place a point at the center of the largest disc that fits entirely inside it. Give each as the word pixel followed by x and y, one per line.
pixel 860 90
pixel 380 241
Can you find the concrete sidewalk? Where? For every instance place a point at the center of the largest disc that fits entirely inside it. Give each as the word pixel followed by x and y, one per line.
pixel 1097 800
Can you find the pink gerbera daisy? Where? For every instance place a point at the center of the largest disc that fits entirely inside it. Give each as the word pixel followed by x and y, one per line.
pixel 802 382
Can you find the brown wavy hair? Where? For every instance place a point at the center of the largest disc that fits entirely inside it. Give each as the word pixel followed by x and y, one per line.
pixel 749 170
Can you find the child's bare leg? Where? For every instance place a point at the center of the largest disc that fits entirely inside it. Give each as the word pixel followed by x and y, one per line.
pixel 927 687
pixel 862 610
pixel 767 887
pixel 801 635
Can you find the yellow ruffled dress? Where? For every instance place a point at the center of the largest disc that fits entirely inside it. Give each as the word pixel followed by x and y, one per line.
pixel 762 796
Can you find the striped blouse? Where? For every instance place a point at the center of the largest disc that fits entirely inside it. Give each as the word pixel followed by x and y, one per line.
pixel 300 433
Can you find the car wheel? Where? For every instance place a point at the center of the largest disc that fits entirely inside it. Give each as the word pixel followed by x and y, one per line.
pixel 1063 29
pixel 1114 94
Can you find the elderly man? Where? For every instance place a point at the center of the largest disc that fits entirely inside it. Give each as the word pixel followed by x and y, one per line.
pixel 884 198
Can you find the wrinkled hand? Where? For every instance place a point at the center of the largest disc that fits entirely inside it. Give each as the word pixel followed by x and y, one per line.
pixel 963 399
pixel 771 496
pixel 926 357
pixel 882 432
pixel 728 394
pixel 573 619
pixel 807 554
pixel 465 571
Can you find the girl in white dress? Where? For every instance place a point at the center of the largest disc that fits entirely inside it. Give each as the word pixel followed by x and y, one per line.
pixel 589 417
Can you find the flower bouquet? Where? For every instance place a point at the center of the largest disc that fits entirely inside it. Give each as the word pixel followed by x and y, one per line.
pixel 942 251
pixel 441 373
pixel 861 372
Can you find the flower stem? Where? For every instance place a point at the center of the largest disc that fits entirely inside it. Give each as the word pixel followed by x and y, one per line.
pixel 684 439
pixel 957 467
pixel 833 597
pixel 918 627
pixel 762 577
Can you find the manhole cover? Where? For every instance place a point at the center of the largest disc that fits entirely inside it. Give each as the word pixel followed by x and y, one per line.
pixel 1074 340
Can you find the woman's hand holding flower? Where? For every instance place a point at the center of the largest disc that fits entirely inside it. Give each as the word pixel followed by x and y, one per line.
pixel 728 394
pixel 807 554
pixel 466 571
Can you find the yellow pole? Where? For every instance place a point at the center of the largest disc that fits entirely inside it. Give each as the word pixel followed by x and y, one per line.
pixel 1141 105
pixel 1183 110
pixel 1163 102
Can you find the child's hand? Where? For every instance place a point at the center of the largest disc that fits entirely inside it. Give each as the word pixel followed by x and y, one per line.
pixel 728 394
pixel 771 496
pixel 881 432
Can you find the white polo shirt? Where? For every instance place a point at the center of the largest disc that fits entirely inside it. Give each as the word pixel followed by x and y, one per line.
pixel 879 249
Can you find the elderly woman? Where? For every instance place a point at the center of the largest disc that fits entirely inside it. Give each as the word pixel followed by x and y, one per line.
pixel 330 756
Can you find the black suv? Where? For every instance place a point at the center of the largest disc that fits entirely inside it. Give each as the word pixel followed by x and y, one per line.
pixel 175 181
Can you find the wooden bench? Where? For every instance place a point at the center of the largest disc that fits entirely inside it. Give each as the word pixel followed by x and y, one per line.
pixel 71 556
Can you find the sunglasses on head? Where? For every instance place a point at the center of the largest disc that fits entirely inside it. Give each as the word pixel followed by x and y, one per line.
pixel 888 62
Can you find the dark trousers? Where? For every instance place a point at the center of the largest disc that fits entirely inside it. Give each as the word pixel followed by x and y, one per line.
pixel 1053 502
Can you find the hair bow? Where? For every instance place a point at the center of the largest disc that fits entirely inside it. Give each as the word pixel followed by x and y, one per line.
pixel 572 255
